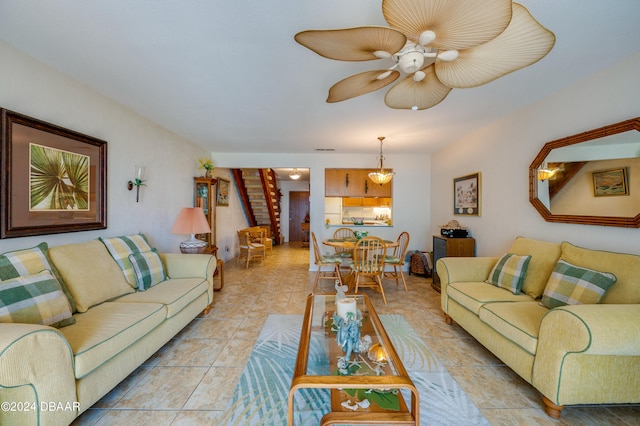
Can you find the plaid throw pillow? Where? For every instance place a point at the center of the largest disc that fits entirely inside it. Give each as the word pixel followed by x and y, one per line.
pixel 34 299
pixel 575 285
pixel 31 261
pixel 509 272
pixel 148 269
pixel 121 247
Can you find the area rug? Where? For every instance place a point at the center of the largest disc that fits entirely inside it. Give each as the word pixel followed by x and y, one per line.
pixel 260 398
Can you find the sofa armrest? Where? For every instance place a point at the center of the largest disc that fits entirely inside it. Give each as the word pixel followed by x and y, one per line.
pixel 601 329
pixel 36 370
pixel 463 269
pixel 180 265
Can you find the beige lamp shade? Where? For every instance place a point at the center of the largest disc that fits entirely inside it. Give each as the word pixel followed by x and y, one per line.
pixel 191 221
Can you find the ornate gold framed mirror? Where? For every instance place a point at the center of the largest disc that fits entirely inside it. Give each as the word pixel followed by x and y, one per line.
pixel 562 178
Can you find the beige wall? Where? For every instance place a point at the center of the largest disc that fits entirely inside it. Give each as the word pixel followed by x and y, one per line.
pixel 503 151
pixel 36 90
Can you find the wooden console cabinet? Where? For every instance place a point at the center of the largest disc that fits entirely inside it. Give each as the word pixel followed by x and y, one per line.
pixel 450 247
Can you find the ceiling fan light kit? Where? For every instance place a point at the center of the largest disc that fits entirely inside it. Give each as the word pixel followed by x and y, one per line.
pixel 436 45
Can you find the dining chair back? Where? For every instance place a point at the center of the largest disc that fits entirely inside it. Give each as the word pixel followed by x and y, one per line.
pixel 396 259
pixel 368 262
pixel 250 249
pixel 343 233
pixel 331 261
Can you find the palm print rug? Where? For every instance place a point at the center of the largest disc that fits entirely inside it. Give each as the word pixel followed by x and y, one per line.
pixel 260 398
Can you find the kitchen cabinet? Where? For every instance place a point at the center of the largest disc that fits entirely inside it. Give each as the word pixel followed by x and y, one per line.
pixel 353 183
pixel 366 202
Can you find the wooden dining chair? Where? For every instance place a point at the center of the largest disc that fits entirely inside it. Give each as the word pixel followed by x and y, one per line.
pixel 249 249
pixel 320 261
pixel 396 259
pixel 368 262
pixel 343 233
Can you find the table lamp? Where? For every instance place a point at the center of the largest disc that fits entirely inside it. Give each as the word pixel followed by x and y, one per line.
pixel 192 221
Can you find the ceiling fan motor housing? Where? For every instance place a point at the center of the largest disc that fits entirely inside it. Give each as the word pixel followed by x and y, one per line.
pixel 411 58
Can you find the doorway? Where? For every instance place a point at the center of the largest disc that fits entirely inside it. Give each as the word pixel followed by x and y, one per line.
pixel 298 209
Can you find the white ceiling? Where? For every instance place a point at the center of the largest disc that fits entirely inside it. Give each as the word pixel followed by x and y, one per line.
pixel 229 76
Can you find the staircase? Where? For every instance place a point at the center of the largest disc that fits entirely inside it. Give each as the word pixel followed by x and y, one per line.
pixel 261 198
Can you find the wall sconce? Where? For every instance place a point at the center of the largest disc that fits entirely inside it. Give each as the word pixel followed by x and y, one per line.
pixel 545 173
pixel 137 182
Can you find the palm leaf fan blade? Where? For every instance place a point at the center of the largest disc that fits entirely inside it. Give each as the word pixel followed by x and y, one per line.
pixel 523 43
pixel 359 84
pixel 458 24
pixel 352 44
pixel 424 94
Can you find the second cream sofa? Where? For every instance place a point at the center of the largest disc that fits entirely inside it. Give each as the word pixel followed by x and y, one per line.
pixel 573 354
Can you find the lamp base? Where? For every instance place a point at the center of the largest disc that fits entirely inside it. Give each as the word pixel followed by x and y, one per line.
pixel 193 247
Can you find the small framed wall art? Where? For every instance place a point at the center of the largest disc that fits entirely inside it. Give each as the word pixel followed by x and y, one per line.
pixel 466 195
pixel 610 182
pixel 222 198
pixel 53 180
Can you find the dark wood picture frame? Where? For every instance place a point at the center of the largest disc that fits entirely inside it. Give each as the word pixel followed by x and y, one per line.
pixel 222 193
pixel 467 195
pixel 34 199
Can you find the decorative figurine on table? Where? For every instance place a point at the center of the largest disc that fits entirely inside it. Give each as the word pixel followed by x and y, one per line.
pixel 340 291
pixel 347 320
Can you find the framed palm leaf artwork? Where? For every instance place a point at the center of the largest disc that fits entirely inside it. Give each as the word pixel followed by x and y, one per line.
pixel 53 179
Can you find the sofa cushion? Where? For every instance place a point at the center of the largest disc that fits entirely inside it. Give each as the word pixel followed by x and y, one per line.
pixel 108 329
pixel 574 285
pixel 175 294
pixel 121 247
pixel 626 268
pixel 509 272
pixel 33 299
pixel 518 322
pixel 472 295
pixel 544 256
pixel 32 261
pixel 148 268
pixel 90 273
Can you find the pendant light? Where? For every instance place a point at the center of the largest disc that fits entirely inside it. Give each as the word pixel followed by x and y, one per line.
pixel 294 174
pixel 381 176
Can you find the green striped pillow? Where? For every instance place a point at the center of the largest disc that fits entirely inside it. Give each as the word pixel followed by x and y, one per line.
pixel 148 269
pixel 575 285
pixel 31 261
pixel 34 299
pixel 121 247
pixel 509 272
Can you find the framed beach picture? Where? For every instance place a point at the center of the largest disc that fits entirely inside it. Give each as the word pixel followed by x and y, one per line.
pixel 222 198
pixel 610 182
pixel 53 179
pixel 466 195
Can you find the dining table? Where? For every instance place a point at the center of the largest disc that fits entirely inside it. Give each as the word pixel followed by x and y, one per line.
pixel 350 242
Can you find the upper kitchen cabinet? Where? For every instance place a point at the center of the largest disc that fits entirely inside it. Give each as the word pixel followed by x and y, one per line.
pixel 353 183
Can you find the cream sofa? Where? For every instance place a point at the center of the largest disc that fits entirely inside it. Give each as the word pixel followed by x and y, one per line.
pixel 573 354
pixel 49 376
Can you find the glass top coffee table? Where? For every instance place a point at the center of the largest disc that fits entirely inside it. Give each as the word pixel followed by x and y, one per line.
pixel 378 378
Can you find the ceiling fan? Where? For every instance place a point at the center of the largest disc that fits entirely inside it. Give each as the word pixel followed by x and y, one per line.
pixel 437 44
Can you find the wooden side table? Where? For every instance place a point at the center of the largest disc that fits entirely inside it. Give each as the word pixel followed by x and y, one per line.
pixel 450 247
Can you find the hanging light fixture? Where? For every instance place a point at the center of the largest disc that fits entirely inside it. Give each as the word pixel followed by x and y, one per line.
pixel 381 176
pixel 546 173
pixel 294 174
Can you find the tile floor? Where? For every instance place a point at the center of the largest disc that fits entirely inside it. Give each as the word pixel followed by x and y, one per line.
pixel 184 383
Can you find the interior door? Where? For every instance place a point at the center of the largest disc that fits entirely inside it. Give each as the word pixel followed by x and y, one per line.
pixel 298 208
